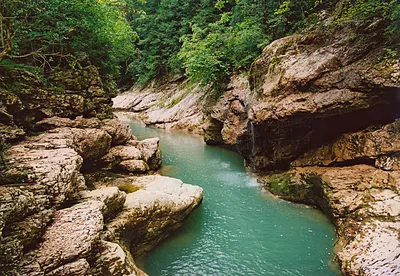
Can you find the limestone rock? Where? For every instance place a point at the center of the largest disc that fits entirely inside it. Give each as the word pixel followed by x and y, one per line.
pixel 119 131
pixel 134 166
pixel 388 162
pixel 364 204
pixel 76 92
pixel 126 152
pixel 307 90
pixel 373 251
pixel 91 144
pixel 112 198
pixel 72 235
pixel 170 106
pixel 136 156
pixel 228 119
pixel 151 153
pixel 78 268
pixel 79 122
pixel 372 143
pixel 151 213
pixel 112 260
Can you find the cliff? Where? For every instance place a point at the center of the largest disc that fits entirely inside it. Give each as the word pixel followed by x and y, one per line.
pixel 78 195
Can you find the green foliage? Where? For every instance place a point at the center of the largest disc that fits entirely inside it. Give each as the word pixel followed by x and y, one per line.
pixel 389 53
pixel 63 33
pixel 208 40
pixel 369 11
pixel 160 26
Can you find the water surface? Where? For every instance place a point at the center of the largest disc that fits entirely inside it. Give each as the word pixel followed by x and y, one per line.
pixel 239 229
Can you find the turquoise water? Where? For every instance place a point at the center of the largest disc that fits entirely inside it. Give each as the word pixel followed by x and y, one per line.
pixel 239 229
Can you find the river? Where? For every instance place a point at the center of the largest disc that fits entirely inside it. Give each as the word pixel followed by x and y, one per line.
pixel 239 229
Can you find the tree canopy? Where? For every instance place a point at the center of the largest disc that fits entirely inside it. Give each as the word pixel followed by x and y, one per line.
pixel 206 40
pixel 48 34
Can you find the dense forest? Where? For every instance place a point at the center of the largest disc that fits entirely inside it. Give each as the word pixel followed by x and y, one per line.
pixel 137 41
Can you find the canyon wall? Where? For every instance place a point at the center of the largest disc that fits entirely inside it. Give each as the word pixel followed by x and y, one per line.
pixel 317 119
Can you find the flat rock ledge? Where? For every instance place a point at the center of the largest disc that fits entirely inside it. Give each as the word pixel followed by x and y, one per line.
pixel 52 224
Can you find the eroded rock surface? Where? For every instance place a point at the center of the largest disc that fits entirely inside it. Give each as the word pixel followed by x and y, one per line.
pixel 171 106
pixel 38 234
pixel 152 212
pixel 363 200
pixel 307 90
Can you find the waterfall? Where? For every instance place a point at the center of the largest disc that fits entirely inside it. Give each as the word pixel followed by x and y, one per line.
pixel 253 145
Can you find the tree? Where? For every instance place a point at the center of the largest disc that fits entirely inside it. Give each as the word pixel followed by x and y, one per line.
pixel 61 33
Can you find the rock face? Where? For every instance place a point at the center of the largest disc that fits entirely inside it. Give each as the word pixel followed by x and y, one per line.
pixel 309 90
pixel 26 99
pixel 349 182
pixel 228 119
pixel 171 106
pixel 41 235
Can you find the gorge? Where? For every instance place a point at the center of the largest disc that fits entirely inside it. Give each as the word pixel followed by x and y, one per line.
pixel 287 100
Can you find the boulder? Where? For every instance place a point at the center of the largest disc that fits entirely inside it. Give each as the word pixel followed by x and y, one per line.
pixel 119 131
pixel 151 152
pixel 134 166
pixel 157 207
pixel 91 144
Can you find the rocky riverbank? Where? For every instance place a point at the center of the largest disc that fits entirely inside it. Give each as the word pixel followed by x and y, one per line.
pixel 323 111
pixel 52 223
pixel 80 194
pixel 172 106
